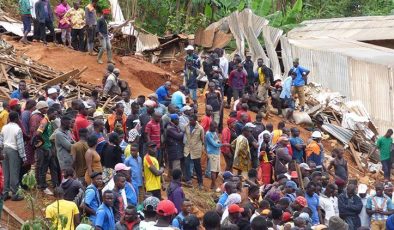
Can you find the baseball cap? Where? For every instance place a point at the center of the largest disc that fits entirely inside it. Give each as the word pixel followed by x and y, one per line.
pixel 301 201
pixel 86 105
pixel 150 103
pixel 150 203
pixel 186 108
pixel 362 188
pixel 13 102
pixel 227 175
pixel 120 167
pixel 166 208
pixel 41 105
pixel 388 185
pixel 316 134
pixel 291 184
pixel 94 174
pixel 305 166
pixel 189 47
pixel 234 208
pixel 174 116
pixel 51 91
pixel 286 216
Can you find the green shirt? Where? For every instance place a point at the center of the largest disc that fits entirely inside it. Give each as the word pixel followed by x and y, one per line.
pixel 384 146
pixel 24 7
pixel 46 134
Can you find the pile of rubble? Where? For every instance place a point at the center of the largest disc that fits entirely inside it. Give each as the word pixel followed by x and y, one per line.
pixel 346 121
pixel 14 68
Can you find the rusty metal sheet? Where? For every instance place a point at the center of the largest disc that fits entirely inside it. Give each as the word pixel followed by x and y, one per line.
pixel 207 38
pixel 198 36
pixel 146 42
pixel 221 39
pixel 271 51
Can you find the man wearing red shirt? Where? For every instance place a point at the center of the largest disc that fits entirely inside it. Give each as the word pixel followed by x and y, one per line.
pixel 81 121
pixel 153 133
pixel 237 81
pixel 207 118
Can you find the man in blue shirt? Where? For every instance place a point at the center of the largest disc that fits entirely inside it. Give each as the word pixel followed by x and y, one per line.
pixel 179 97
pixel 186 209
pixel 299 81
pixel 105 213
pixel 92 196
pixel 313 203
pixel 297 145
pixel 229 188
pixel 135 163
pixel 18 92
pixel 163 94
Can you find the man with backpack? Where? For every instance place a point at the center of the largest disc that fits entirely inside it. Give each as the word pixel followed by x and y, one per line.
pixel 92 200
pixel 186 209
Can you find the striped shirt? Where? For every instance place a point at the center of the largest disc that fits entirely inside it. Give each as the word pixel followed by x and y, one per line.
pixel 383 203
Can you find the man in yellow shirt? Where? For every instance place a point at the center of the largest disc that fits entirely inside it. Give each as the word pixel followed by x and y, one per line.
pixel 3 113
pixel 264 80
pixel 152 171
pixel 62 208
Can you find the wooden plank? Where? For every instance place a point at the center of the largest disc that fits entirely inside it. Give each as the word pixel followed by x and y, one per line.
pixel 60 79
pixel 5 74
pixel 13 215
pixel 7 95
pixel 75 76
pixel 356 157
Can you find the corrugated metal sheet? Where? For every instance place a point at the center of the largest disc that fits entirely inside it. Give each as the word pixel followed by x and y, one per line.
pixel 270 47
pixel 287 56
pixel 354 28
pixel 340 133
pixel 373 85
pixel 146 42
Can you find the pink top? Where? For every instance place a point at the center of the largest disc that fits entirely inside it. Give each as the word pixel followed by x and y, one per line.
pixel 60 11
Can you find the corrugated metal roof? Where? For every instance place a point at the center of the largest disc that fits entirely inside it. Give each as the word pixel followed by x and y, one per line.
pixel 342 134
pixel 354 49
pixel 354 28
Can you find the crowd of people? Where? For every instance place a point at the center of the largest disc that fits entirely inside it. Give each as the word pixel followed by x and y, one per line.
pixel 79 26
pixel 128 170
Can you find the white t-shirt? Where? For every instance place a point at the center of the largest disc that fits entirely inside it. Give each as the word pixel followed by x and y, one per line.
pixel 146 225
pixel 364 217
pixel 326 203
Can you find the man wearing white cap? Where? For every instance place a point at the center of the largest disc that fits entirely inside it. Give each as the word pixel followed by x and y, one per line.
pixel 52 96
pixel 362 193
pixel 314 151
pixel 191 55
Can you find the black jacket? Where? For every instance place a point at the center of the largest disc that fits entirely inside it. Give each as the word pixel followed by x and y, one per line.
pixel 269 76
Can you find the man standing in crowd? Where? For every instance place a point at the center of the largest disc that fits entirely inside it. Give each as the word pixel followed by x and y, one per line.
pixel 350 205
pixel 191 76
pixel 174 143
pixel 92 201
pixel 102 28
pixel 25 11
pixel 384 145
pixel 63 142
pixel 193 149
pixel 45 151
pixel 300 81
pixel 105 218
pixel 44 16
pixel 77 152
pixel 91 22
pixel 11 143
pixel 81 121
pixel 237 81
pixel 152 171
pixel 264 79
pixel 77 20
pixel 379 207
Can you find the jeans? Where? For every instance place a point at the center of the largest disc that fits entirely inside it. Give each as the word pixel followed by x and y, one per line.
pixel 237 93
pixel 77 39
pixel 11 166
pixel 187 168
pixel 43 26
pixel 91 34
pixel 105 46
pixel 66 36
pixel 46 159
pixel 208 168
pixel 193 94
pixel 386 166
pixel 26 19
pixel 197 168
pixel 36 29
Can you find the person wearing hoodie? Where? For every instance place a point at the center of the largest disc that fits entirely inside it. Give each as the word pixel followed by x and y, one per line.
pixel 174 190
pixel 70 186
